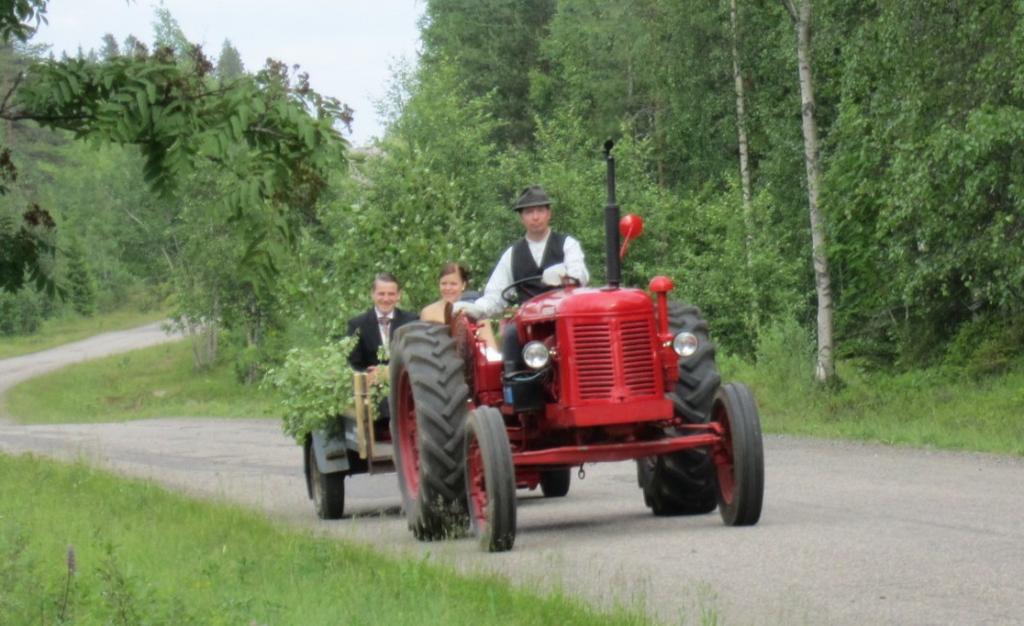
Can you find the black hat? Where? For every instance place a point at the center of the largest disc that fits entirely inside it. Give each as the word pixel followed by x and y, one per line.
pixel 533 195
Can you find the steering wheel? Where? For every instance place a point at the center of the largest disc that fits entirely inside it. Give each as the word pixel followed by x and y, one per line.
pixel 510 295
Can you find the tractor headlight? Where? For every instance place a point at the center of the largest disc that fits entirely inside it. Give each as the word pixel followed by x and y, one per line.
pixel 536 355
pixel 685 344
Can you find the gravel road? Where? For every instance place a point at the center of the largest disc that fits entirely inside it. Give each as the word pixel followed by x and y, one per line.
pixel 851 533
pixel 21 368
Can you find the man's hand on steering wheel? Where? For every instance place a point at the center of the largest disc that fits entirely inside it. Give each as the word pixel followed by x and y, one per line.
pixel 472 309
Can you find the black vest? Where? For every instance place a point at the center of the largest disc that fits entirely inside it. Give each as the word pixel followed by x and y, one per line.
pixel 523 265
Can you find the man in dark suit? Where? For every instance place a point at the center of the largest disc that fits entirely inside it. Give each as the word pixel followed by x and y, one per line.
pixel 376 326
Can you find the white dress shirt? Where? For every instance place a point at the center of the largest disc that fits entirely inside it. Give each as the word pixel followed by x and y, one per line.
pixel 493 304
pixel 380 327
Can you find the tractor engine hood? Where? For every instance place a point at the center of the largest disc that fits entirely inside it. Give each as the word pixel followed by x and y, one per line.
pixel 584 302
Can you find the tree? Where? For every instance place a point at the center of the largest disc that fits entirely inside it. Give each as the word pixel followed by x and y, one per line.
pixel 742 143
pixel 81 286
pixel 26 234
pixel 274 135
pixel 110 48
pixel 167 33
pixel 229 63
pixel 16 17
pixel 437 194
pixel 494 45
pixel 132 46
pixel 594 58
pixel 800 14
pixel 741 115
pixel 922 185
pixel 26 251
pixel 662 70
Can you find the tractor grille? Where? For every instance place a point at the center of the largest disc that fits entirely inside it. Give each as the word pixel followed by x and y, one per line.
pixel 596 364
pixel 637 363
pixel 596 370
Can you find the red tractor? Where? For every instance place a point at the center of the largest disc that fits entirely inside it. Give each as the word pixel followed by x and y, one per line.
pixel 611 375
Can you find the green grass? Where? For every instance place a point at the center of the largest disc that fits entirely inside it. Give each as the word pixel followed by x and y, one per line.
pixel 143 555
pixel 939 407
pixel 154 382
pixel 59 331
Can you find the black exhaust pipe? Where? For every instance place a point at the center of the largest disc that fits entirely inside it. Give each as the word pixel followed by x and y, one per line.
pixel 613 270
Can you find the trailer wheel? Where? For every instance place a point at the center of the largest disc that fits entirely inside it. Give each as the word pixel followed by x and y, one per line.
pixel 682 483
pixel 555 483
pixel 490 480
pixel 740 459
pixel 428 418
pixel 327 490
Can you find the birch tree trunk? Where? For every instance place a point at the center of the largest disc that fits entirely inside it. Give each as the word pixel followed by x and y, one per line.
pixel 800 14
pixel 741 120
pixel 754 314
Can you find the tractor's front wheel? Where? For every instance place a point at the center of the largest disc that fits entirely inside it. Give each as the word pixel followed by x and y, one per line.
pixel 490 480
pixel 428 418
pixel 739 460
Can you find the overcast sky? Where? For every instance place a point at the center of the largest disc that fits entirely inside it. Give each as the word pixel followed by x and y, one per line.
pixel 347 46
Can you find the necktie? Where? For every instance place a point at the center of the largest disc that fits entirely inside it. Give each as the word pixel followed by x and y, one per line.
pixel 385 326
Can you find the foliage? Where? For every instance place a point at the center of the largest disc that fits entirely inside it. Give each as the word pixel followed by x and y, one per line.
pixel 82 288
pixel 271 137
pixel 784 352
pixel 700 242
pixel 26 251
pixel 438 193
pixel 257 129
pixel 239 160
pixel 316 385
pixel 229 63
pixel 920 154
pixel 214 286
pixel 27 231
pixel 21 312
pixel 945 407
pixel 987 345
pixel 492 45
pixel 647 67
pixel 269 238
pixel 926 178
pixel 17 16
pixel 110 47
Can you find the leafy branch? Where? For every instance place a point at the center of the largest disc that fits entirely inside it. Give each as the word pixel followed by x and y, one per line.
pixel 316 385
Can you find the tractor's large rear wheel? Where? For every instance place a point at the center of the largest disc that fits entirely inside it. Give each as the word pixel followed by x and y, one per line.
pixel 490 480
pixel 428 418
pixel 740 459
pixel 682 483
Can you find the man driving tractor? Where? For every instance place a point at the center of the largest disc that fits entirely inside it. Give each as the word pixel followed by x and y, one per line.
pixel 540 261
